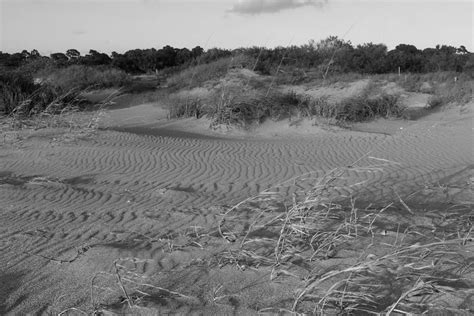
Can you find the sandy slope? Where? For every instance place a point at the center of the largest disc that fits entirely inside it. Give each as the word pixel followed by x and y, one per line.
pixel 72 205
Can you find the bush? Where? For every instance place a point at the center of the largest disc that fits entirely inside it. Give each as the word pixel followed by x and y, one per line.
pixel 81 77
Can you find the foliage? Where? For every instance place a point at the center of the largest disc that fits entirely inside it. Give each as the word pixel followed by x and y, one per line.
pixel 79 76
pixel 330 55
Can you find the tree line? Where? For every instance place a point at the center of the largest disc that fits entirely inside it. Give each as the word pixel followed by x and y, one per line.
pixel 334 53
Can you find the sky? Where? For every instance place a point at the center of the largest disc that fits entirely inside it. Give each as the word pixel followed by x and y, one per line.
pixel 120 25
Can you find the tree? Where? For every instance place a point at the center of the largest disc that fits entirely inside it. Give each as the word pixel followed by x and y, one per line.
pixel 183 56
pixel 35 54
pixel 369 58
pixel 26 54
pixel 73 53
pixel 197 51
pixel 407 57
pixel 468 67
pixel 59 59
pixel 95 58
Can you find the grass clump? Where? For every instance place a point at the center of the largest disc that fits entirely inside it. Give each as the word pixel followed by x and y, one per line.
pixel 350 259
pixel 233 104
pixel 243 106
pixel 363 108
pixel 22 97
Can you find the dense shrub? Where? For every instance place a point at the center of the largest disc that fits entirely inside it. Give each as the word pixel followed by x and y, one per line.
pixel 80 77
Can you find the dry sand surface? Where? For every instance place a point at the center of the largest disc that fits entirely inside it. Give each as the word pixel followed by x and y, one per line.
pixel 145 196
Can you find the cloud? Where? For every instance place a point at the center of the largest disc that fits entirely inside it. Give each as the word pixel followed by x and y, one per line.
pixel 254 7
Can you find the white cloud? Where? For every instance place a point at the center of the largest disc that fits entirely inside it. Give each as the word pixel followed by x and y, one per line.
pixel 253 7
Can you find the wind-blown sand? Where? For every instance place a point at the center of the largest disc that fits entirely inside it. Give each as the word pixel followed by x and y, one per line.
pixel 70 206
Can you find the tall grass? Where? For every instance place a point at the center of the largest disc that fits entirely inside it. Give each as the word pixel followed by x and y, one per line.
pixel 382 261
pixel 22 97
pixel 244 106
pixel 61 88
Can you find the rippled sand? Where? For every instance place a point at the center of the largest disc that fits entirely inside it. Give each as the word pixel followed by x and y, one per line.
pixel 71 206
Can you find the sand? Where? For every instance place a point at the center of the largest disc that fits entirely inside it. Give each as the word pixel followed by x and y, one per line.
pixel 74 203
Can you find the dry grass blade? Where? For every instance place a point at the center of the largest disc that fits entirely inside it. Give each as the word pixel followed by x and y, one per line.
pixel 404 204
pixel 119 280
pixel 72 309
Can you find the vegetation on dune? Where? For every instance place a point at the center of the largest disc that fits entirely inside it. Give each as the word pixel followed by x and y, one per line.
pixel 340 258
pixel 343 57
pixel 60 89
pixel 22 97
pixel 82 77
pixel 245 100
pixel 238 103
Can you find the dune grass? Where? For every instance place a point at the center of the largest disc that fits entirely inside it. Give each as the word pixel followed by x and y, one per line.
pixel 381 261
pixel 341 257
pixel 240 105
pixel 58 91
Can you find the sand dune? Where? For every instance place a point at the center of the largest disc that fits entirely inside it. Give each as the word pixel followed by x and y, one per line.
pixel 89 201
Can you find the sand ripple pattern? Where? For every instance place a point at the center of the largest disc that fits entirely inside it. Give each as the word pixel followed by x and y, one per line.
pixel 55 197
pixel 140 174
